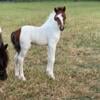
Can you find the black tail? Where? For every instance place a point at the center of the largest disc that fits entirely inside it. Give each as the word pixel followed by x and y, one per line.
pixel 15 41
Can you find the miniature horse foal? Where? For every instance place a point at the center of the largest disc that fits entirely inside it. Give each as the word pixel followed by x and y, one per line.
pixel 47 34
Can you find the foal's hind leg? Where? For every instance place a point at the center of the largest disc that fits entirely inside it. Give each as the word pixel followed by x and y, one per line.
pixel 21 57
pixel 16 65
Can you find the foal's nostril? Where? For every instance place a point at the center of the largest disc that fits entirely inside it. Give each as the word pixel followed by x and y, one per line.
pixel 62 28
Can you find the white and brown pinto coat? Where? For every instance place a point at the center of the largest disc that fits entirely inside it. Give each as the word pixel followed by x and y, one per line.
pixel 47 34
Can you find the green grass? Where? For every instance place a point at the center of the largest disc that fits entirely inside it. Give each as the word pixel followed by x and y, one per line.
pixel 77 66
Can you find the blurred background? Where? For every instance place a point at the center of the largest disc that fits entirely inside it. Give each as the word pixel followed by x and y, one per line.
pixel 44 0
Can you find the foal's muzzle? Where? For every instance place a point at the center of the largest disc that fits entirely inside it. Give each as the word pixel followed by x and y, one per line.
pixel 61 28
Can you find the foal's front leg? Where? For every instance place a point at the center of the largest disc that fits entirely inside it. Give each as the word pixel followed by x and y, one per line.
pixel 51 60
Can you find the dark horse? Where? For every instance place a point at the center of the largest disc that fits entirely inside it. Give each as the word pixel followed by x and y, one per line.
pixel 3 59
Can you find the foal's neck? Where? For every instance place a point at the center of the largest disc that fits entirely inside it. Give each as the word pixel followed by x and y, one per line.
pixel 51 23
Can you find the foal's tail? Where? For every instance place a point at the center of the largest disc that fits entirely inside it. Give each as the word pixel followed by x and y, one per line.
pixel 15 40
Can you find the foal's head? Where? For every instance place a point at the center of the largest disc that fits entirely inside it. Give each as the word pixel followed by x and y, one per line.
pixel 3 61
pixel 60 17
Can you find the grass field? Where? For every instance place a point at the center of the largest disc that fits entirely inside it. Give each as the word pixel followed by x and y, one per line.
pixel 77 66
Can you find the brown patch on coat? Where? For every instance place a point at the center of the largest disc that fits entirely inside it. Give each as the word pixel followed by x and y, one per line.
pixel 15 38
pixel 17 32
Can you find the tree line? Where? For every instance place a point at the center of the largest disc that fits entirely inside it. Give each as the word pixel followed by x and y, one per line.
pixel 44 0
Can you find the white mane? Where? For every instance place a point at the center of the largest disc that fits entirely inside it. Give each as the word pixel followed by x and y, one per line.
pixel 51 16
pixel 50 22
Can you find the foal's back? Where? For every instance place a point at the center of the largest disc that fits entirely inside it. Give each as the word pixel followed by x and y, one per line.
pixel 32 34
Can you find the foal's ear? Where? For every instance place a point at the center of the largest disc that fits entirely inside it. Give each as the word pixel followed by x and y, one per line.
pixel 5 46
pixel 64 8
pixel 55 9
